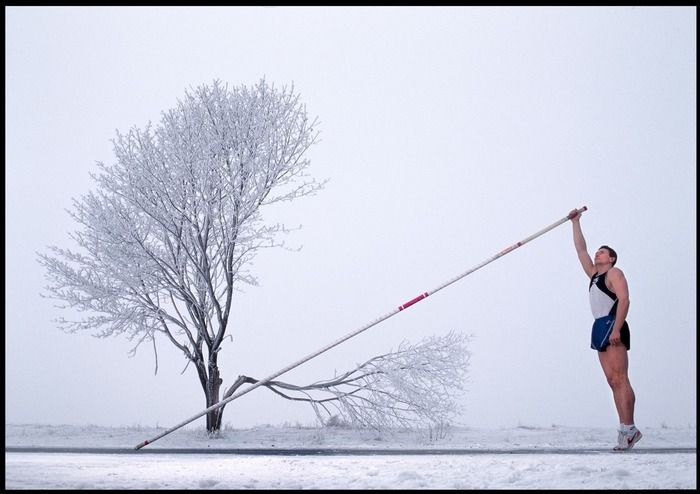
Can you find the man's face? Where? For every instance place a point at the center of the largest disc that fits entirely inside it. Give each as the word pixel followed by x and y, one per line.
pixel 602 256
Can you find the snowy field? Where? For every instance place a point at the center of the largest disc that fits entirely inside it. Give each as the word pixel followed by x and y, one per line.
pixel 514 458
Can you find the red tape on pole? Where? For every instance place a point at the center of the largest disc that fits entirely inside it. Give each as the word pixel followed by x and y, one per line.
pixel 413 301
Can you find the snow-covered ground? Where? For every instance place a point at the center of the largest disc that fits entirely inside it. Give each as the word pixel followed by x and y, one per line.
pixel 495 463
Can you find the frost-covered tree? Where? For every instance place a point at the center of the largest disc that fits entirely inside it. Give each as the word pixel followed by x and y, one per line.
pixel 166 238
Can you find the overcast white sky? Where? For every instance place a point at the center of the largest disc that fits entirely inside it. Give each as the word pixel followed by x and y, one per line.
pixel 448 134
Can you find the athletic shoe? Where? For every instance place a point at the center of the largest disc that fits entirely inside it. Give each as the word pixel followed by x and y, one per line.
pixel 620 438
pixel 626 441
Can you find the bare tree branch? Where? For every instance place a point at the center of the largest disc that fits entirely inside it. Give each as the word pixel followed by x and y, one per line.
pixel 415 386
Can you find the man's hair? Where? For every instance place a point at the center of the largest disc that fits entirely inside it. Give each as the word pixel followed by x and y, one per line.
pixel 611 252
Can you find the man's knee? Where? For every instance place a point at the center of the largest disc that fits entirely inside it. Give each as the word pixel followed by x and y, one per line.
pixel 617 380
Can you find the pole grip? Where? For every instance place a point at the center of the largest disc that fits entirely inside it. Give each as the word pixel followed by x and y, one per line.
pixel 577 212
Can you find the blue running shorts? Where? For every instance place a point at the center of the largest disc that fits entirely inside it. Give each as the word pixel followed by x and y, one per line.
pixel 600 333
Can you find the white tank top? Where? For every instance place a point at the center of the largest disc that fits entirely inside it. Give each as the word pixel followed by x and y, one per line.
pixel 602 299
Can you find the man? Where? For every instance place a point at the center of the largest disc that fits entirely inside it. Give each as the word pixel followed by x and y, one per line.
pixel 609 298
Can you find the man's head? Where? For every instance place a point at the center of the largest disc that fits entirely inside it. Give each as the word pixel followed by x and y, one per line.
pixel 607 251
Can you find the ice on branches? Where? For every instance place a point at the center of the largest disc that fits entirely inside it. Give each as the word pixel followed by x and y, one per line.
pixel 416 386
pixel 175 220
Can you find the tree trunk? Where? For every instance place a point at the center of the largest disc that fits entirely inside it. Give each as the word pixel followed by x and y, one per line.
pixel 211 386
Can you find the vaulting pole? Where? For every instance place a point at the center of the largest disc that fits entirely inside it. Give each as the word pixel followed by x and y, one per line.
pixel 363 328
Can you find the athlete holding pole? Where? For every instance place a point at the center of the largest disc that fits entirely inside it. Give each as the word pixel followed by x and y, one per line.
pixel 610 336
